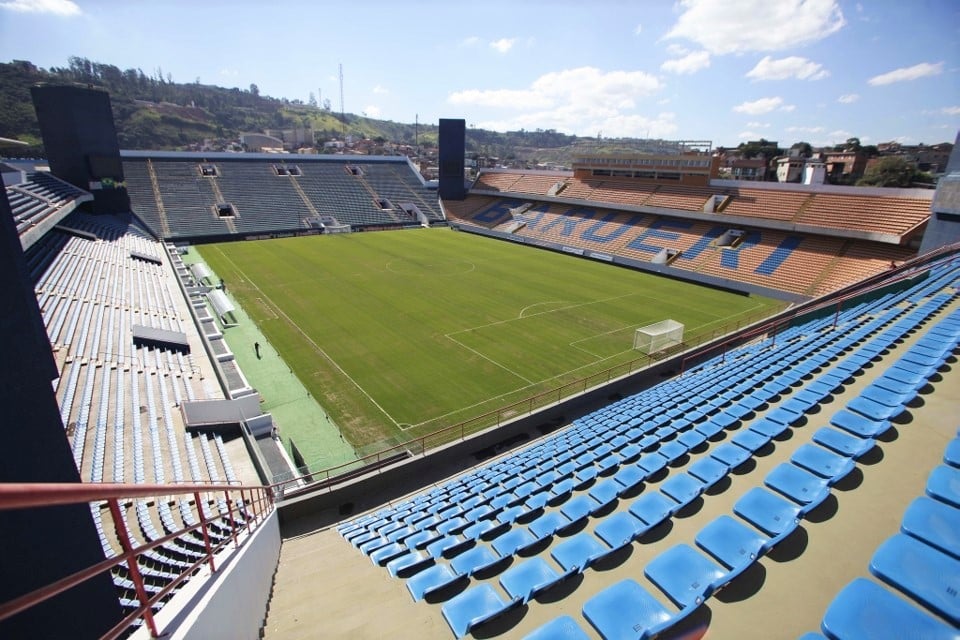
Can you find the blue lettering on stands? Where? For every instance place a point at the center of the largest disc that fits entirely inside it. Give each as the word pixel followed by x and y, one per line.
pixel 702 243
pixel 730 257
pixel 779 255
pixel 497 211
pixel 655 231
pixel 593 235
pixel 535 215
pixel 570 220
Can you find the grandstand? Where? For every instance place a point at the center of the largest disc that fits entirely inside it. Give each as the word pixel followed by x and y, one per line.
pixel 795 243
pixel 798 474
pixel 177 200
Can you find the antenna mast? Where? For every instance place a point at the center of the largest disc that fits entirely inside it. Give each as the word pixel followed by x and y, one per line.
pixel 343 117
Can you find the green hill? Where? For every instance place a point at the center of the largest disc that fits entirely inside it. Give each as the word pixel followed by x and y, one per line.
pixel 153 112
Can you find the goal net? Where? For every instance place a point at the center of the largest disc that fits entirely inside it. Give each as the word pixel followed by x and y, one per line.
pixel 658 336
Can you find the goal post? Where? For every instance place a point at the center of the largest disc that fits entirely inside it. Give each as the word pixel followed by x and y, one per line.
pixel 658 336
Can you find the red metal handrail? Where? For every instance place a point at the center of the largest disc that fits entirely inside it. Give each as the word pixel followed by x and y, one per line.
pixel 40 495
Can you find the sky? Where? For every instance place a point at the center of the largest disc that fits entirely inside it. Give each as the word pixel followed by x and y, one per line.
pixel 728 71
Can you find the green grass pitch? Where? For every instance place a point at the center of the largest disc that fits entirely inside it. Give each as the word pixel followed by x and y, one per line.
pixel 400 334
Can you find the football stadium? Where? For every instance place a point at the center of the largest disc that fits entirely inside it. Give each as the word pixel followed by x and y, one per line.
pixel 294 396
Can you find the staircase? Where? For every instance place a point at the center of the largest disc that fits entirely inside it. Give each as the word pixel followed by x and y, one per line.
pixel 164 223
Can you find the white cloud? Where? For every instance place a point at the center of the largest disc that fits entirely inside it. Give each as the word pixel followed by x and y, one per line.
pixel 637 30
pixel 503 45
pixel 748 135
pixel 584 100
pixel 763 105
pixel 805 129
pixel 690 63
pixel 758 125
pixel 56 7
pixel 785 68
pixel 380 90
pixel 848 98
pixel 470 41
pixel 229 73
pixel 921 70
pixel 721 26
pixel 372 111
pixel 951 111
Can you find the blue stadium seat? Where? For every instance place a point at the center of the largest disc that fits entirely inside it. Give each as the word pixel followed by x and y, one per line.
pixel 525 580
pixel 683 488
pixel 562 628
pixel 685 576
pixel 935 523
pixel 431 579
pixel 473 607
pixel 579 508
pixel 548 524
pixel 629 477
pixel 730 455
pixel 804 488
pixel 864 610
pixel 843 443
pixel 605 492
pixel 770 513
pixel 475 559
pixel 627 610
pixel 579 552
pixel 822 462
pixel 409 562
pixel 951 455
pixel 514 541
pixel 917 569
pixel 735 545
pixel 709 470
pixel 652 508
pixel 620 529
pixel 944 485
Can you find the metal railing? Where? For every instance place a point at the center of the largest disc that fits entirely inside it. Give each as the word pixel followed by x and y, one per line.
pixel 247 508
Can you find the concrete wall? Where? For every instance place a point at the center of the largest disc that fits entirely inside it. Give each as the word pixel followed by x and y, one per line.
pixel 234 603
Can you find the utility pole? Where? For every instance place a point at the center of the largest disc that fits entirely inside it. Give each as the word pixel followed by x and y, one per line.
pixel 343 117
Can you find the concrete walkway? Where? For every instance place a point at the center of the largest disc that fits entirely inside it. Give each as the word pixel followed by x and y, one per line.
pixel 296 413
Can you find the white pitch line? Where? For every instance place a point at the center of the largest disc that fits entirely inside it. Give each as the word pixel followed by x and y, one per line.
pixel 487 358
pixel 310 340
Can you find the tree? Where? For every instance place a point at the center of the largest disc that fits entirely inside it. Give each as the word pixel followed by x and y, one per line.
pixel 891 171
pixel 312 100
pixel 254 89
pixel 803 148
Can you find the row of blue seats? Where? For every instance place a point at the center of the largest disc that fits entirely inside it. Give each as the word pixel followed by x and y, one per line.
pixel 575 452
pixel 922 562
pixel 479 558
pixel 688 578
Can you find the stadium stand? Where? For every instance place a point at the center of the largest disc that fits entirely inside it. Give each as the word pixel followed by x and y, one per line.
pixel 41 201
pixel 803 263
pixel 97 277
pixel 177 201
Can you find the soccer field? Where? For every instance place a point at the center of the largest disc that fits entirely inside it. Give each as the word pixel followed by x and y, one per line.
pixel 400 334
